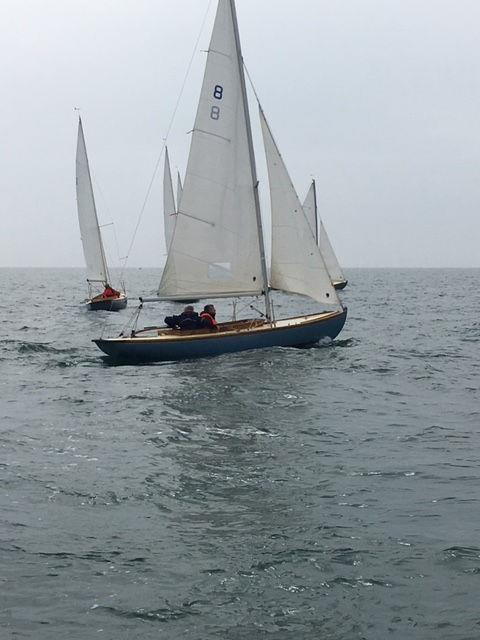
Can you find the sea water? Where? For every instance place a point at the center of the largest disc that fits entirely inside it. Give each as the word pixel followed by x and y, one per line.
pixel 323 493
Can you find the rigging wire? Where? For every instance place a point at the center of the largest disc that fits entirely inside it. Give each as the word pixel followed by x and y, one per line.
pixel 165 139
pixel 251 84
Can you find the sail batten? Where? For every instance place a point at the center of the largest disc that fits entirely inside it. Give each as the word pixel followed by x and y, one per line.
pixel 87 215
pixel 223 256
pixel 297 264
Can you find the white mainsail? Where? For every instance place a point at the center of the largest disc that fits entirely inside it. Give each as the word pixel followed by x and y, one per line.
pixel 216 250
pixel 323 241
pixel 297 264
pixel 179 190
pixel 87 216
pixel 169 209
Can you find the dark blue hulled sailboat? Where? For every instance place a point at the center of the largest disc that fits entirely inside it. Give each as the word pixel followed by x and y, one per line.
pixel 217 249
pixel 152 345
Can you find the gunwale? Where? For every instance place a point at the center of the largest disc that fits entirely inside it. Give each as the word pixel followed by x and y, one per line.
pixel 175 336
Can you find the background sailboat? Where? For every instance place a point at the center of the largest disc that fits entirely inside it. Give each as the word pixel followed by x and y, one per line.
pixel 218 249
pixel 321 238
pixel 179 188
pixel 170 209
pixel 97 271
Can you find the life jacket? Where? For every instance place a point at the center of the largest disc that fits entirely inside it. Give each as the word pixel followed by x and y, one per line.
pixel 210 318
pixel 110 293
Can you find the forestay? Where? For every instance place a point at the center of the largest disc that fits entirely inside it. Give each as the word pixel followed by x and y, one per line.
pixel 323 241
pixel 215 250
pixel 87 216
pixel 169 209
pixel 297 264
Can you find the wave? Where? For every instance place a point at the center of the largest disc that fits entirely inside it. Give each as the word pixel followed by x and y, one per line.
pixel 163 614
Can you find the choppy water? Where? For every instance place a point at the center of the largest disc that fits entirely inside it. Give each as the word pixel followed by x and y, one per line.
pixel 326 493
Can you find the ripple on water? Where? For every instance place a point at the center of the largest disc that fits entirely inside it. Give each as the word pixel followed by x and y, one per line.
pixel 320 493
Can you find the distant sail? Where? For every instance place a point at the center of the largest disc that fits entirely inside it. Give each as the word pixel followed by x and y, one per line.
pixel 297 264
pixel 326 249
pixel 169 209
pixel 87 216
pixel 310 210
pixel 215 249
pixel 179 190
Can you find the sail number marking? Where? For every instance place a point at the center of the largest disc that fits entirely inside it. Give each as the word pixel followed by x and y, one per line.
pixel 218 95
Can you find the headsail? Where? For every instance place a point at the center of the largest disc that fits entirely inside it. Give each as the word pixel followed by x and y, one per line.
pixel 297 264
pixel 310 210
pixel 333 266
pixel 326 249
pixel 87 216
pixel 169 209
pixel 215 249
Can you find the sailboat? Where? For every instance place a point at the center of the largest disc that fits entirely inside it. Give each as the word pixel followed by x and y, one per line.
pixel 321 238
pixel 218 247
pixel 97 270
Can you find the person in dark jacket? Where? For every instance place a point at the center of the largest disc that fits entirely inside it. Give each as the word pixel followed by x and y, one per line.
pixel 207 318
pixel 186 321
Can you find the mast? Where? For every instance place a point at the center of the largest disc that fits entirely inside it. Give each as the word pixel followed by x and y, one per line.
pixel 268 302
pixel 314 185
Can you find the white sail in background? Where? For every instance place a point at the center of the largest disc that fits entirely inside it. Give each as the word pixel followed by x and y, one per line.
pixel 179 189
pixel 87 216
pixel 215 249
pixel 310 210
pixel 297 264
pixel 333 266
pixel 323 241
pixel 169 209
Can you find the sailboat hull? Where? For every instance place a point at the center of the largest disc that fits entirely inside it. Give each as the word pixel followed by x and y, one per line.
pixel 107 304
pixel 340 284
pixel 232 337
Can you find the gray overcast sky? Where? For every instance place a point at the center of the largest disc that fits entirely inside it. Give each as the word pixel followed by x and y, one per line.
pixel 379 99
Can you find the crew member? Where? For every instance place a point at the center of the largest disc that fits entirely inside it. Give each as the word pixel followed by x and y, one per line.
pixel 208 318
pixel 110 292
pixel 187 320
